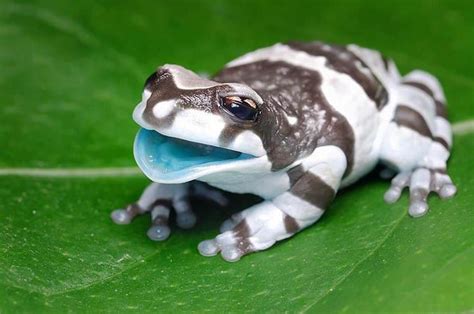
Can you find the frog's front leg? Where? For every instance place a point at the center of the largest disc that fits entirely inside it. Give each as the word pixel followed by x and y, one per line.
pixel 159 199
pixel 144 204
pixel 257 228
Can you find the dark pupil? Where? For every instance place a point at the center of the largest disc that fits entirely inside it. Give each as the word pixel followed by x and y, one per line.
pixel 240 109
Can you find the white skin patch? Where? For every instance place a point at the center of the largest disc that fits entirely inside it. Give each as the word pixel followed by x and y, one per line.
pixel 263 183
pixel 429 80
pixel 329 154
pixel 164 108
pixel 185 79
pixel 443 129
pixel 205 128
pixel 140 108
pixel 149 195
pixel 297 207
pixel 292 120
pixel 328 163
pixel 419 101
pixel 414 147
pixel 375 62
pixel 196 126
pixel 436 157
pixel 248 142
pixel 245 91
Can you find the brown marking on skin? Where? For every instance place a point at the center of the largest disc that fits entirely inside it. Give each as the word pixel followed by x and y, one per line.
pixel 291 226
pixel 134 209
pixel 314 190
pixel 289 90
pixel 386 62
pixel 420 86
pixel 438 170
pixel 295 173
pixel 242 229
pixel 242 232
pixel 407 117
pixel 165 83
pixel 442 141
pixel 160 220
pixel 418 195
pixel 440 107
pixel 162 202
pixel 342 60
pixel 150 81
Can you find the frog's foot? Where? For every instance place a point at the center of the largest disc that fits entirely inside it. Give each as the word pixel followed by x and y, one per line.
pixel 421 182
pixel 231 222
pixel 254 229
pixel 159 200
pixel 159 230
pixel 185 217
pixel 125 216
pixel 160 211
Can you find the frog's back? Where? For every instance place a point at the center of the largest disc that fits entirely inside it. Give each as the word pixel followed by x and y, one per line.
pixel 369 68
pixel 311 79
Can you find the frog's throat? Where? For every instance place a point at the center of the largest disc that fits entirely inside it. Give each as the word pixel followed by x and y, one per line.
pixel 170 160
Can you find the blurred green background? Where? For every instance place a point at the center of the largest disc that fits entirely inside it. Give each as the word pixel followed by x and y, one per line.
pixel 70 75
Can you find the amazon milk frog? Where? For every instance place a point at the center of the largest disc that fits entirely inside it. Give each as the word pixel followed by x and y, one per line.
pixel 292 123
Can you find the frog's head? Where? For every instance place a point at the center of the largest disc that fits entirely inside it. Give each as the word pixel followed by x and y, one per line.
pixel 193 127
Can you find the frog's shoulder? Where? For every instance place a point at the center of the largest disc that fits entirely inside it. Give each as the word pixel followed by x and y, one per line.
pixel 368 68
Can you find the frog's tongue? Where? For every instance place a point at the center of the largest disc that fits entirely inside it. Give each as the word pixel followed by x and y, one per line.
pixel 164 158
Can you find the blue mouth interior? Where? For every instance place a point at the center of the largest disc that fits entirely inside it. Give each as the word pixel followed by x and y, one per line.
pixel 161 157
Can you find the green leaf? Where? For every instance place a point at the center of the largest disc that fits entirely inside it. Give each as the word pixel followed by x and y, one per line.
pixel 70 75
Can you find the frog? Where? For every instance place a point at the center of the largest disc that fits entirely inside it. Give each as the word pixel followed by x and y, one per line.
pixel 292 123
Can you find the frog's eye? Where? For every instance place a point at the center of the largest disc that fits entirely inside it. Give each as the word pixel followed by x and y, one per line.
pixel 242 108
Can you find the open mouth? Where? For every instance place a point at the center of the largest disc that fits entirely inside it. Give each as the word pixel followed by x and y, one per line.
pixel 167 159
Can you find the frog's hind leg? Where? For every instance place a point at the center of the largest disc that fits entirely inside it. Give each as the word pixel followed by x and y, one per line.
pixel 418 141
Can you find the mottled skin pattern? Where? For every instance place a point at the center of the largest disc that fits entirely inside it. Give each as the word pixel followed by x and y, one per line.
pixel 291 123
pixel 318 123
